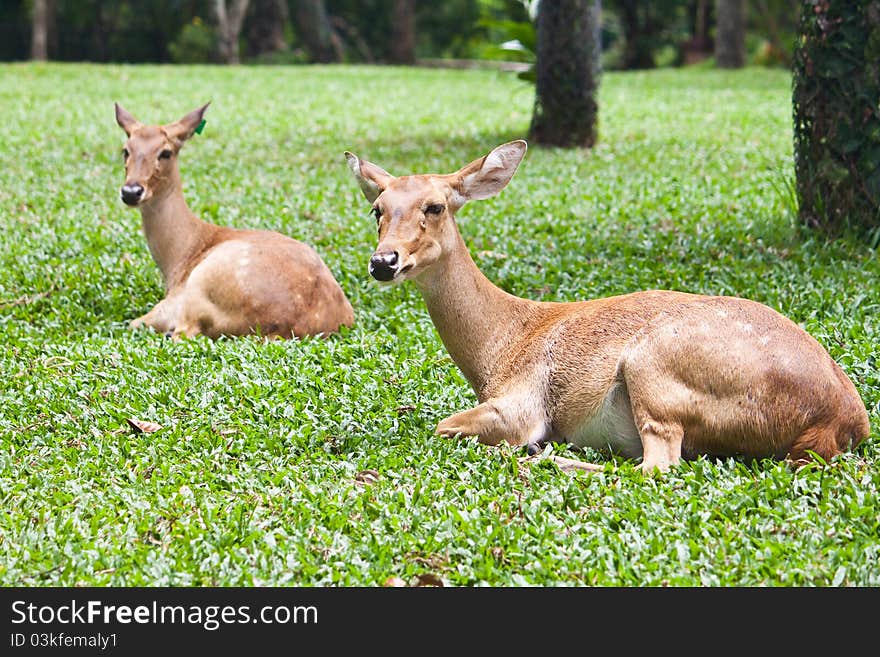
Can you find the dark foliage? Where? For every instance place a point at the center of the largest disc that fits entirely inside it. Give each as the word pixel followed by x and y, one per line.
pixel 837 116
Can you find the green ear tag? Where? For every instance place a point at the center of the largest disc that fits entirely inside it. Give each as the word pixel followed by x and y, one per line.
pixel 201 126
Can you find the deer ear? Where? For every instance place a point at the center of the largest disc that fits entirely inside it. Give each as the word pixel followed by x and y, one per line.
pixel 487 176
pixel 125 120
pixel 184 128
pixel 372 179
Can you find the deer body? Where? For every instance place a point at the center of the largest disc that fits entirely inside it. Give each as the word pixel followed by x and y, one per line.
pixel 654 374
pixel 220 280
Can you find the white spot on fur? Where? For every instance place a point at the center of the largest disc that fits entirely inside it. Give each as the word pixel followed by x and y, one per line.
pixel 612 426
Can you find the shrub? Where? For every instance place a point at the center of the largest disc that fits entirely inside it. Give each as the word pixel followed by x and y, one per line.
pixel 196 44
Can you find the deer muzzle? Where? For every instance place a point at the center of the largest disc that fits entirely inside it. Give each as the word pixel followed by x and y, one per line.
pixel 132 193
pixel 384 265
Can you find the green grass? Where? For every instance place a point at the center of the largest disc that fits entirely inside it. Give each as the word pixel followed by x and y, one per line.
pixel 253 478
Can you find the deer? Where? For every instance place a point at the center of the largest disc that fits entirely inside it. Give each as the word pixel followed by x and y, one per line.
pixel 219 280
pixel 655 375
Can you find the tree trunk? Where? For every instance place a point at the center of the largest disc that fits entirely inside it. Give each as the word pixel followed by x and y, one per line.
pixel 229 23
pixel 730 34
pixel 403 32
pixel 40 31
pixel 568 69
pixel 314 28
pixel 638 36
pixel 265 27
pixel 836 98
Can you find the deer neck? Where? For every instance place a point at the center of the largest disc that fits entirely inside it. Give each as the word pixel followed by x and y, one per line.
pixel 174 234
pixel 477 321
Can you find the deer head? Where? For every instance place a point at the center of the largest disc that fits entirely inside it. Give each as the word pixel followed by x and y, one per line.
pixel 415 214
pixel 150 154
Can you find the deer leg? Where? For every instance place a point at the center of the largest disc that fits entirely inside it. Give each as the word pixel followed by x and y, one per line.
pixel 516 420
pixel 185 330
pixel 160 318
pixel 661 442
pixel 654 396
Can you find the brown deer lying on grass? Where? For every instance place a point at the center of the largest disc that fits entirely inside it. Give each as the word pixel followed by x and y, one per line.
pixel 219 280
pixel 655 374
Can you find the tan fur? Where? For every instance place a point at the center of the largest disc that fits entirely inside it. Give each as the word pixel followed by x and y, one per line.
pixel 657 374
pixel 220 280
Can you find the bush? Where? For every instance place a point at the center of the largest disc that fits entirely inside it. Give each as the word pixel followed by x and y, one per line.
pixel 196 44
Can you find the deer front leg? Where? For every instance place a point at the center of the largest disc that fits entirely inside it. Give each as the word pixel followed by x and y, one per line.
pixel 513 419
pixel 161 318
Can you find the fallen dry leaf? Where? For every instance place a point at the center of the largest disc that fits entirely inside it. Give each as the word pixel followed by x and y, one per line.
pixel 142 426
pixel 366 477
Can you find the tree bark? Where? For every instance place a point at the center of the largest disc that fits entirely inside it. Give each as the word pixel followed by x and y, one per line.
pixel 836 100
pixel 265 27
pixel 403 32
pixel 40 31
pixel 229 22
pixel 568 69
pixel 314 28
pixel 730 34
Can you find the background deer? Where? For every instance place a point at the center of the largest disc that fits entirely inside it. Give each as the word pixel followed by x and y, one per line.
pixel 657 374
pixel 219 280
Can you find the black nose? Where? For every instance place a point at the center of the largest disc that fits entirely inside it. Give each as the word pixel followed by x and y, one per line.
pixel 383 266
pixel 132 193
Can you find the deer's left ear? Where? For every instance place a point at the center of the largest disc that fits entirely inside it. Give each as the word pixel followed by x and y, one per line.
pixel 487 176
pixel 184 128
pixel 373 179
pixel 125 120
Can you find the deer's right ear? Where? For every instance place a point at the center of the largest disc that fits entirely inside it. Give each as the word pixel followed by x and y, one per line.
pixel 125 120
pixel 489 175
pixel 372 179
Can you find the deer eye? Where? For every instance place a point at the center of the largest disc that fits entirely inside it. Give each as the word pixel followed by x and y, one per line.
pixel 124 153
pixel 434 208
pixel 164 155
pixel 376 212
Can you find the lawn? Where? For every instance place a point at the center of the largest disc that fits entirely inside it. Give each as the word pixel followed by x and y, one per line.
pixel 256 476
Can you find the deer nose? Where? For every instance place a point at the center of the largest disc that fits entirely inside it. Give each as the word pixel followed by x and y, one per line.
pixel 132 193
pixel 383 265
